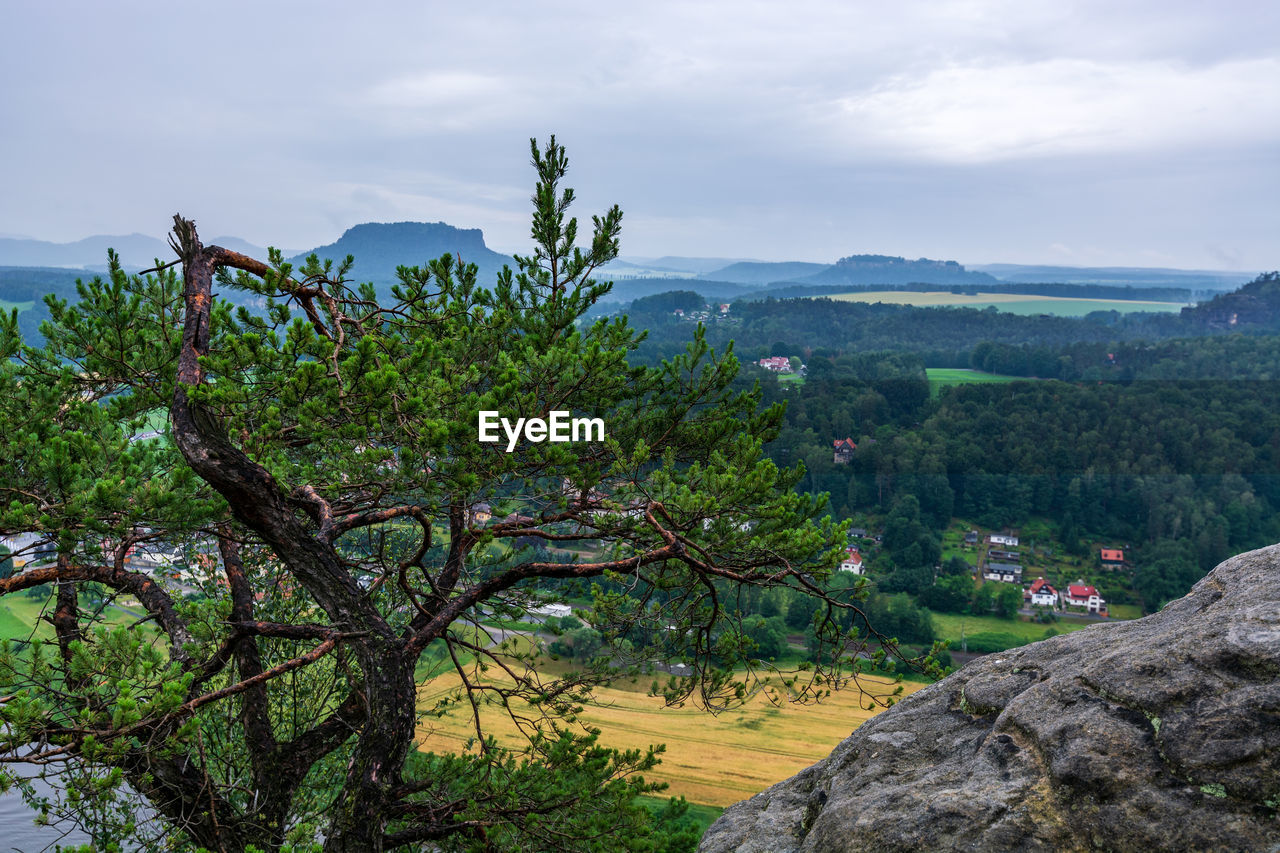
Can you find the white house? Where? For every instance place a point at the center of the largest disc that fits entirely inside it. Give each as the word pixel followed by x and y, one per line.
pixel 852 561
pixel 1083 595
pixel 1003 539
pixel 29 549
pixel 1004 572
pixel 1042 594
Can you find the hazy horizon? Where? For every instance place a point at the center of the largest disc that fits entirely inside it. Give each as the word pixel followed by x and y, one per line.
pixel 984 132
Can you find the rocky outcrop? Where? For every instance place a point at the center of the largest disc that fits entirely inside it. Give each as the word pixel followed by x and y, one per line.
pixel 1157 734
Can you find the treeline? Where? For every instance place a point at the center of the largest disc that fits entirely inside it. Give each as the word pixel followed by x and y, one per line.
pixel 1070 291
pixel 1234 356
pixel 946 337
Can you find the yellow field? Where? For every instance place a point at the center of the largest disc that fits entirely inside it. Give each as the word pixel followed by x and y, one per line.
pixel 716 760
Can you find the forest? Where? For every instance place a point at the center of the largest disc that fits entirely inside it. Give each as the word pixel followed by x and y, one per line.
pixel 1160 432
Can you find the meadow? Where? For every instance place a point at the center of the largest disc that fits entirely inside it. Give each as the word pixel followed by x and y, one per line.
pixel 949 626
pixel 944 377
pixel 714 760
pixel 1013 303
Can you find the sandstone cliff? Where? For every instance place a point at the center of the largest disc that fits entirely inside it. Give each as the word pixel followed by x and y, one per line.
pixel 1158 734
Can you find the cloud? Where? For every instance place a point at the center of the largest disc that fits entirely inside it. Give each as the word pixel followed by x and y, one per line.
pixel 983 113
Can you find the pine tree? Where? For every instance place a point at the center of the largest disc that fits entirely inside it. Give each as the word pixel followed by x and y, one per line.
pixel 345 535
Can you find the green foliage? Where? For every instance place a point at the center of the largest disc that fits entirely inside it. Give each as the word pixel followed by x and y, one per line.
pixel 1167 570
pixel 319 467
pixel 951 594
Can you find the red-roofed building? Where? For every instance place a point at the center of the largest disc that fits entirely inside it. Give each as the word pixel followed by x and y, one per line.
pixel 777 363
pixel 1080 594
pixel 1112 558
pixel 852 561
pixel 1042 594
pixel 844 448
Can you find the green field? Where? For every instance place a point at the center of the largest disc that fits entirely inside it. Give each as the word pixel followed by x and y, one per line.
pixel 943 377
pixel 20 616
pixel 1013 303
pixel 6 305
pixel 701 815
pixel 948 627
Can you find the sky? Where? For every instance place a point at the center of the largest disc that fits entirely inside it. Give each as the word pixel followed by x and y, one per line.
pixel 1075 133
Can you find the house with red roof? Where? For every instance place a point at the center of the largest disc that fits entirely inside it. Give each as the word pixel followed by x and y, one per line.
pixel 1083 595
pixel 1112 558
pixel 777 363
pixel 1042 594
pixel 852 561
pixel 844 448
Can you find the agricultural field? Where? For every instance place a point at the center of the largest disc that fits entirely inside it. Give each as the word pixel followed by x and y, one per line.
pixel 945 377
pixel 1013 303
pixel 712 760
pixel 7 306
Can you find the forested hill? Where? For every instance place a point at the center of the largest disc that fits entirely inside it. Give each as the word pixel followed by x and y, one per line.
pixel 380 247
pixel 1254 307
pixel 759 272
pixel 886 269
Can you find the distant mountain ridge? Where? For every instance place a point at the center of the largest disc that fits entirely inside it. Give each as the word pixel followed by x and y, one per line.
pixel 136 251
pixel 761 272
pixel 890 269
pixel 1135 276
pixel 380 247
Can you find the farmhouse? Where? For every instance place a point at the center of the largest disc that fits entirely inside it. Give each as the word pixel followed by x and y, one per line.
pixel 971 538
pixel 1003 572
pixel 844 448
pixel 481 513
pixel 1112 558
pixel 1042 594
pixel 1083 596
pixel 852 561
pixel 1008 540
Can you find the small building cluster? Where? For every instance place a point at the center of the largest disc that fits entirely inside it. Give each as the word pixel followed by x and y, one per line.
pixel 1001 563
pixel 1079 595
pixel 777 363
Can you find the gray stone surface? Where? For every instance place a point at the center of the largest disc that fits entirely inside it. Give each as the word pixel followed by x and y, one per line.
pixel 1157 734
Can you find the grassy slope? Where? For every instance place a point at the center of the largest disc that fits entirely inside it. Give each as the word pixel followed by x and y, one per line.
pixel 948 627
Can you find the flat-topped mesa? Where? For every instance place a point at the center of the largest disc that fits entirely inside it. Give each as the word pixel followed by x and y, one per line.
pixel 1157 734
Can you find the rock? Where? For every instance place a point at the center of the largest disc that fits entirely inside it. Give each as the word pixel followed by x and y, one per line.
pixel 1157 734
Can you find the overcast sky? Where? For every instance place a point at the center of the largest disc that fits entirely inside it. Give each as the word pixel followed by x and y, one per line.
pixel 1141 134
